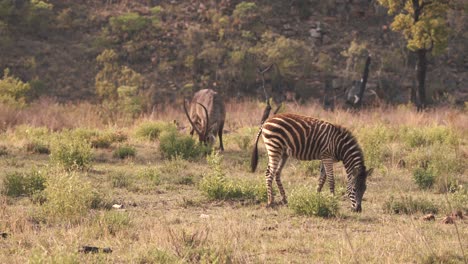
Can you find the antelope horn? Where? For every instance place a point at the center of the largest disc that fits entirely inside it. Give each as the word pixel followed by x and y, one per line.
pixel 207 120
pixel 190 120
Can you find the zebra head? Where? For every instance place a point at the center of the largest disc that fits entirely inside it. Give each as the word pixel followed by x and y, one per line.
pixel 357 186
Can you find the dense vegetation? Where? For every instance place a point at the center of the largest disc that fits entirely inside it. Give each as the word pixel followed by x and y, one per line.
pixel 131 55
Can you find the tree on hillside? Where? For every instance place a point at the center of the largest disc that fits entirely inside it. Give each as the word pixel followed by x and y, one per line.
pixel 423 24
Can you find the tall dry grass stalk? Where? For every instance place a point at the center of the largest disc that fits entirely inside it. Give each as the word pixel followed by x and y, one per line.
pixel 57 116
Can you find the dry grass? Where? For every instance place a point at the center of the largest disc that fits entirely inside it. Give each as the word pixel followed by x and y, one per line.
pixel 167 218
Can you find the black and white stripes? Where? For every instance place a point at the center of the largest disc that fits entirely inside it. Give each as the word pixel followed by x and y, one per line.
pixel 307 138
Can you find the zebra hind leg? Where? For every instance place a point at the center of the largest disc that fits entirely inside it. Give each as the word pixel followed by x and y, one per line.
pixel 284 158
pixel 269 180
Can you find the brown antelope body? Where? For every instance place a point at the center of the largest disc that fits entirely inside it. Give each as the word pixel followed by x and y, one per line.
pixel 207 115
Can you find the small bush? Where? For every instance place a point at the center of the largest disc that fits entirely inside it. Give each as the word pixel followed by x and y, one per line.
pixel 19 184
pixel 105 140
pixel 112 222
pixel 125 151
pixel 409 205
pixel 217 187
pixel 128 23
pixel 244 138
pixel 31 133
pixel 3 151
pixel 424 178
pixel 68 197
pixel 152 174
pixel 120 180
pixel 173 144
pixel 152 130
pixel 37 147
pixel 12 90
pixel 304 201
pixel 417 137
pixel 373 141
pixel 71 153
pixel 459 199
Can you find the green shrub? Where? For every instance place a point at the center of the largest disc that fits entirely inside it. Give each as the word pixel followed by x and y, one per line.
pixel 125 151
pixel 409 205
pixel 12 90
pixel 424 178
pixel 3 151
pixel 373 141
pixel 105 140
pixel 172 144
pixel 244 138
pixel 128 23
pixel 459 199
pixel 152 174
pixel 31 133
pixel 71 153
pixel 304 201
pixel 37 147
pixel 112 222
pixel 18 184
pixel 425 136
pixel 68 197
pixel 217 187
pixel 152 130
pixel 120 180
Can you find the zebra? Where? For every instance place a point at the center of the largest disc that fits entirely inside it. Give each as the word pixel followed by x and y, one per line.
pixel 307 138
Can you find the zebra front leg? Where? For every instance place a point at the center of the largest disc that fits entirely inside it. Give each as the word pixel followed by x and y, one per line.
pixel 323 177
pixel 328 164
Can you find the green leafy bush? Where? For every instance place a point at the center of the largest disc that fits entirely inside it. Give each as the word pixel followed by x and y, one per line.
pixel 13 91
pixel 424 178
pixel 409 205
pixel 304 201
pixel 71 153
pixel 18 184
pixel 68 197
pixel 37 147
pixel 112 222
pixel 124 151
pixel 120 180
pixel 151 130
pixel 152 174
pixel 217 187
pixel 172 144
pixel 373 141
pixel 425 136
pixel 129 23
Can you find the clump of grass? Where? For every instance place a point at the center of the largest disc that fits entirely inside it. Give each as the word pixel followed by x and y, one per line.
pixel 244 137
pixel 3 151
pixel 120 180
pixel 71 153
pixel 19 184
pixel 124 151
pixel 151 174
pixel 459 199
pixel 112 222
pixel 217 187
pixel 444 162
pixel 29 132
pixel 37 147
pixel 409 205
pixel 151 130
pixel 156 255
pixel 373 141
pixel 424 178
pixel 417 137
pixel 68 197
pixel 304 201
pixel 105 139
pixel 172 144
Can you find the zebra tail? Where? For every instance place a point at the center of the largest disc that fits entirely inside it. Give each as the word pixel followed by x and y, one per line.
pixel 254 159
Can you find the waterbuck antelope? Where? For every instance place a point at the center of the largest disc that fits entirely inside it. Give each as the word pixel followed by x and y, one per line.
pixel 207 115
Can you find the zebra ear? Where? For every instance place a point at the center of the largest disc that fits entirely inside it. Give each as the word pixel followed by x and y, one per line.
pixel 369 172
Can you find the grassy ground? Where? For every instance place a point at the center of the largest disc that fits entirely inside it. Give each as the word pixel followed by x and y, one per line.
pixel 168 218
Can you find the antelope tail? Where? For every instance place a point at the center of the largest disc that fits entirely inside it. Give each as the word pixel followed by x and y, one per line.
pixel 254 159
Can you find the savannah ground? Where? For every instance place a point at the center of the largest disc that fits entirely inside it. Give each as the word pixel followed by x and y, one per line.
pixel 167 216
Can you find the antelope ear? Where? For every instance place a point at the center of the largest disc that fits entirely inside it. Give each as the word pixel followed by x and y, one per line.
pixel 369 172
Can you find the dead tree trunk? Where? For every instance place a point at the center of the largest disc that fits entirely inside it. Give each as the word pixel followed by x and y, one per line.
pixel 421 76
pixel 362 87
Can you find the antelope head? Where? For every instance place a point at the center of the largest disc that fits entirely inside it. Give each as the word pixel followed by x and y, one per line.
pixel 203 129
